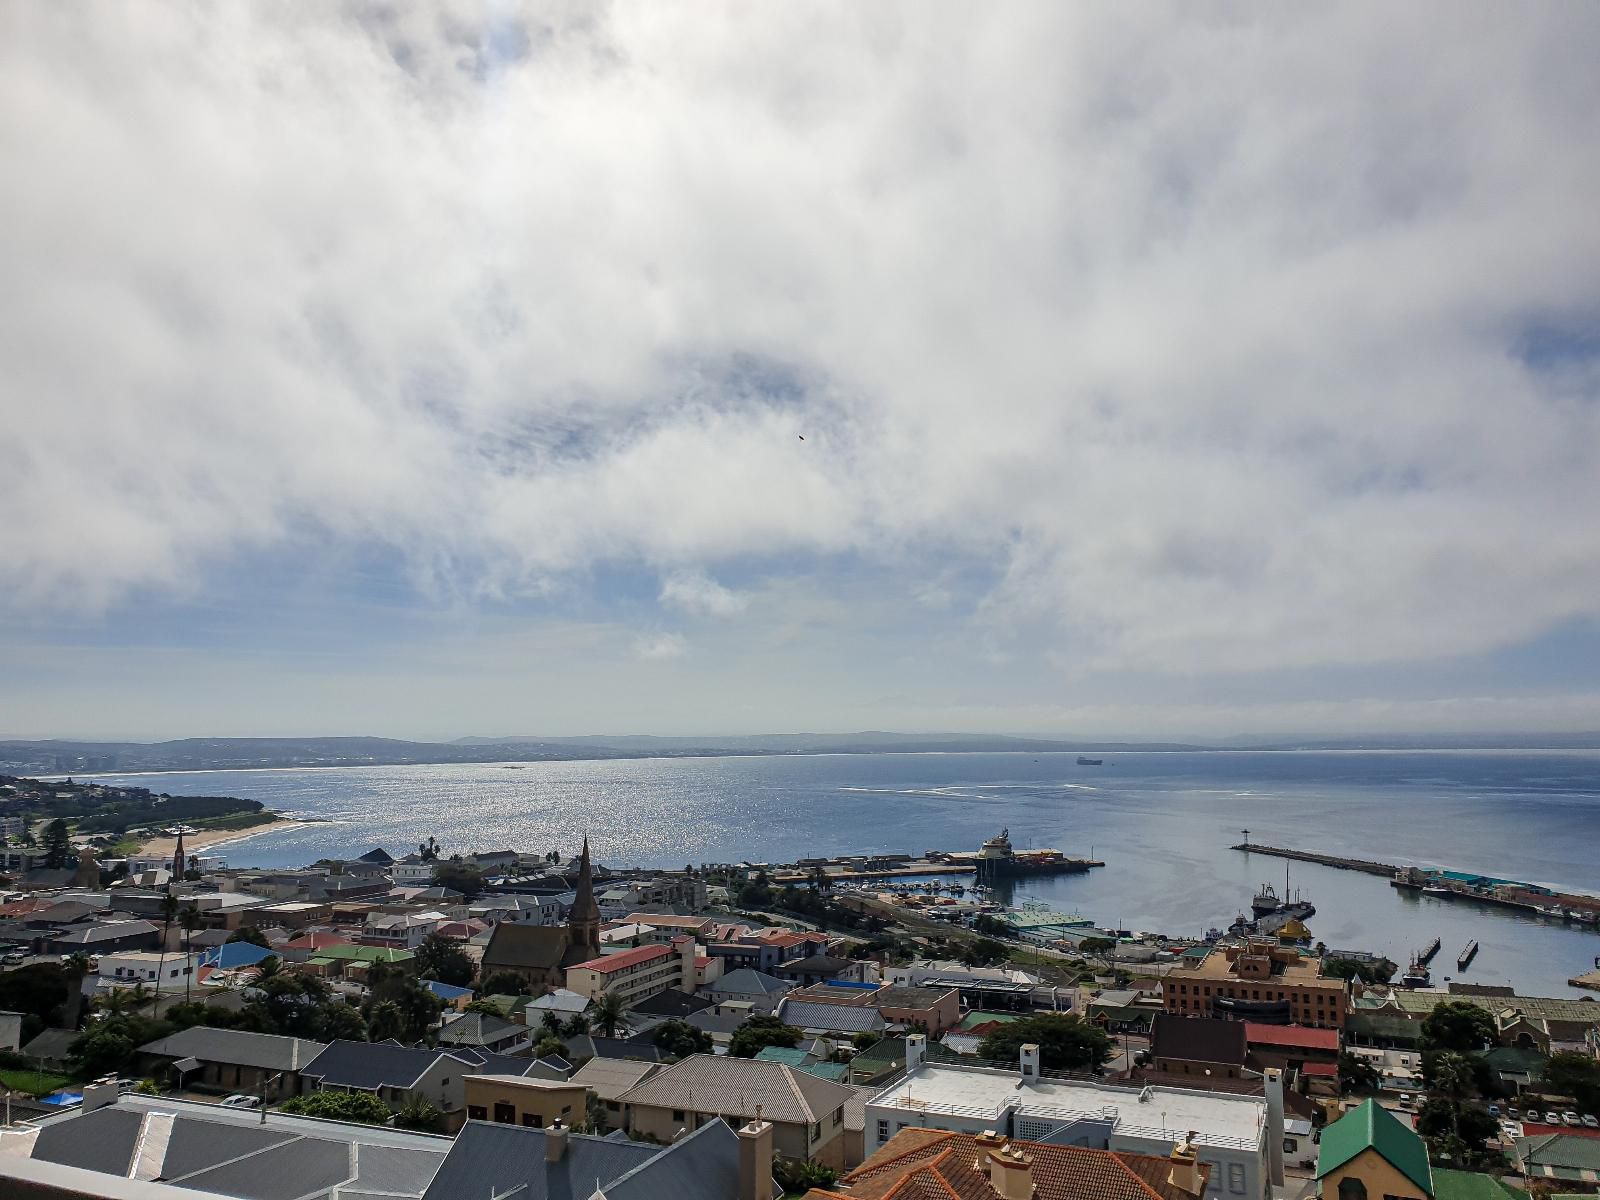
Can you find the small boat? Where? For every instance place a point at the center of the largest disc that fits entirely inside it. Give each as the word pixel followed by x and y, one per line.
pixel 1435 889
pixel 1090 762
pixel 1468 953
pixel 1416 975
pixel 1265 901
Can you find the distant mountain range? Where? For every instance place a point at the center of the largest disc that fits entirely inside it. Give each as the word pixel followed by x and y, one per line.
pixel 201 754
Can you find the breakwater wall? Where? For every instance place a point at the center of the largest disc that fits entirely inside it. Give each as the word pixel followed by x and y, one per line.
pixel 1387 870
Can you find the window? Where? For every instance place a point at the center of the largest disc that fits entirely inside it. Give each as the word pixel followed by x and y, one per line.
pixel 532 1121
pixel 1290 1145
pixel 677 1114
pixel 505 1114
pixel 1236 1178
pixel 1351 1188
pixel 883 1131
pixel 477 1112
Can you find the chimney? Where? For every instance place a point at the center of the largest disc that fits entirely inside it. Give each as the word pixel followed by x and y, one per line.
pixel 755 1159
pixel 101 1092
pixel 555 1142
pixel 1274 1090
pixel 916 1050
pixel 1185 1174
pixel 1011 1173
pixel 1030 1061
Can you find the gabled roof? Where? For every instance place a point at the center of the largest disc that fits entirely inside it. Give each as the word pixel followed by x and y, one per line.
pixel 671 1003
pixel 815 964
pixel 237 1048
pixel 1294 1036
pixel 525 946
pixel 735 1086
pixel 924 1164
pixel 1564 1150
pixel 590 1046
pixel 608 1078
pixel 1198 1039
pixel 1371 1127
pixel 748 982
pixel 477 1029
pixel 367 1066
pixel 838 1018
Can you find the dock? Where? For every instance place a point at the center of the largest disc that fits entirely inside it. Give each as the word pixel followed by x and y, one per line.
pixel 1326 860
pixel 1468 953
pixel 1426 956
pixel 1589 979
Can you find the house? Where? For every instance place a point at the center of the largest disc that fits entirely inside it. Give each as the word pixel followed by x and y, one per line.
pixel 931 1009
pixel 404 931
pixel 1204 1046
pixel 116 1145
pixel 491 1033
pixel 1240 1137
pixel 987 1166
pixel 821 968
pixel 608 1078
pixel 720 1023
pixel 159 972
pixel 1369 1154
pixel 978 987
pixel 231 1060
pixel 354 962
pixel 830 1020
pixel 455 998
pixel 563 1003
pixel 1568 1157
pixel 540 954
pixel 1291 1047
pixel 393 1073
pixel 665 1005
pixel 713 1163
pixel 1261 981
pixel 530 1102
pixel 587 1046
pixel 763 991
pixel 109 938
pixel 806 1113
pixel 411 871
pixel 803 1059
pixel 636 974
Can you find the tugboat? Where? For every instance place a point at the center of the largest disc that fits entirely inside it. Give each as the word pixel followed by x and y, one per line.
pixel 1417 975
pixel 1266 901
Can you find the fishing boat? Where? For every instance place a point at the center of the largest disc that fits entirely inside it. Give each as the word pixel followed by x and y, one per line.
pixel 1416 975
pixel 1265 901
pixel 1468 953
pixel 1090 762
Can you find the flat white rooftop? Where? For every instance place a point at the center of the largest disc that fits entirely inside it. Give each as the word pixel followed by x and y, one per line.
pixel 1217 1118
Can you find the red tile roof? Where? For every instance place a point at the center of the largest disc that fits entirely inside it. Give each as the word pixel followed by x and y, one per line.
pixel 606 964
pixel 1324 1069
pixel 1298 1036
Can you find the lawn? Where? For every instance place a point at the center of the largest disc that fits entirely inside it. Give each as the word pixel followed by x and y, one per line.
pixel 35 1083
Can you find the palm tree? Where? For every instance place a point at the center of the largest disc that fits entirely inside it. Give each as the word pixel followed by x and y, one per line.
pixel 189 919
pixel 607 1013
pixel 428 851
pixel 169 911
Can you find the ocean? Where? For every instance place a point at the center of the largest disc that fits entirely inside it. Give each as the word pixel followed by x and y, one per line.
pixel 1163 822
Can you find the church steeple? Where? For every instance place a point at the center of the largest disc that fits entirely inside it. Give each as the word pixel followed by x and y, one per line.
pixel 584 922
pixel 178 866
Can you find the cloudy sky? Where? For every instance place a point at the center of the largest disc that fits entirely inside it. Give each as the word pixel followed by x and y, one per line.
pixel 482 368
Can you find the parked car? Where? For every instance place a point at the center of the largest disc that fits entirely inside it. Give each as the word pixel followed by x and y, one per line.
pixel 1533 1116
pixel 241 1101
pixel 1405 1100
pixel 1511 1130
pixel 1494 1110
pixel 13 959
pixel 1589 1121
pixel 1514 1113
pixel 1570 1118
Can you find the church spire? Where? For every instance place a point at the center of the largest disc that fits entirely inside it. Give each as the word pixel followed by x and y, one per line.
pixel 178 867
pixel 585 919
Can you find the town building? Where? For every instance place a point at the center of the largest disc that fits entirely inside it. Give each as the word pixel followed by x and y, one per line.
pixel 1370 1154
pixel 608 1078
pixel 987 1166
pixel 231 1060
pixel 520 1100
pixel 1547 1024
pixel 932 1009
pixel 541 954
pixel 806 1113
pixel 1291 1047
pixel 1240 1137
pixel 1202 1046
pixel 978 987
pixel 821 968
pixel 1257 981
pixel 1566 1158
pixel 156 971
pixel 488 1032
pixel 764 992
pixel 637 973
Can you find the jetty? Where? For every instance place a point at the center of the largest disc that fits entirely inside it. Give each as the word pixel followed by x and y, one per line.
pixel 1589 979
pixel 1326 860
pixel 1468 953
pixel 1426 956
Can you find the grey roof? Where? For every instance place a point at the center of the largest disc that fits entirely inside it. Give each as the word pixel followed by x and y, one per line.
pixel 841 1018
pixel 735 1086
pixel 589 1046
pixel 236 1047
pixel 714 1022
pixel 476 1028
pixel 368 1066
pixel 228 1153
pixel 671 1003
pixel 491 1160
pixel 815 964
pixel 561 1001
pixel 608 1078
pixel 109 932
pixel 52 1043
pixel 702 1166
pixel 747 982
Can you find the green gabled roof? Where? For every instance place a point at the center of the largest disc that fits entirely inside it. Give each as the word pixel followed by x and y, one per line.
pixel 1370 1126
pixel 1469 1185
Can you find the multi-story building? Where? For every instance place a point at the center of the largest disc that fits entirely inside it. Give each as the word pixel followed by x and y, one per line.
pixel 161 972
pixel 637 973
pixel 1240 1137
pixel 1259 981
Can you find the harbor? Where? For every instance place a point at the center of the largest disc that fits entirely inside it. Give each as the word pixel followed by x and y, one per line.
pixel 996 859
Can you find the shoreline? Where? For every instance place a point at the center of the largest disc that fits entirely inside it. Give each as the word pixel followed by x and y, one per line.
pixel 212 839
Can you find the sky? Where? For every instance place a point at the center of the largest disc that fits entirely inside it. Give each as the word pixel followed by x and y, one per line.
pixel 486 368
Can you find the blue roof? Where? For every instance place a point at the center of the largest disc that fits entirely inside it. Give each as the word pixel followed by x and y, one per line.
pixel 233 955
pixel 446 991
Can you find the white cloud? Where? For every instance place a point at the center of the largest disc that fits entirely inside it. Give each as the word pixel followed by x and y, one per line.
pixel 656 646
pixel 699 594
pixel 1204 330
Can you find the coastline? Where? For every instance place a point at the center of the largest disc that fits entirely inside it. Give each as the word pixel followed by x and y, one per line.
pixel 212 839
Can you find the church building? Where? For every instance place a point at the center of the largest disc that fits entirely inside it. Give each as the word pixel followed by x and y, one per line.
pixel 541 954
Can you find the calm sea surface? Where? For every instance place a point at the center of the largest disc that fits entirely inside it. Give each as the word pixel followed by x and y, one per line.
pixel 1162 822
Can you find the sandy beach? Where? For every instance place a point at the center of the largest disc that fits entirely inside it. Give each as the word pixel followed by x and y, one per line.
pixel 210 839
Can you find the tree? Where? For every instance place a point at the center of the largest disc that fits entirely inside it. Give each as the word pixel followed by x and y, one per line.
pixel 797 1176
pixel 440 958
pixel 37 990
pixel 865 1040
pixel 1458 1025
pixel 249 933
pixel 503 983
pixel 990 926
pixel 57 845
pixel 984 952
pixel 576 1025
pixel 459 877
pixel 386 1022
pixel 418 1112
pixel 550 1023
pixel 418 1007
pixel 1577 1075
pixel 487 1007
pixel 1097 945
pixel 189 920
pixel 340 1106
pixel 1456 1132
pixel 101 1050
pixel 342 1022
pixel 1448 1074
pixel 286 1004
pixel 549 1047
pixel 1356 1074
pixel 1377 971
pixel 759 1032
pixel 757 893
pixel 429 850
pixel 607 1013
pixel 679 1039
pixel 1066 1042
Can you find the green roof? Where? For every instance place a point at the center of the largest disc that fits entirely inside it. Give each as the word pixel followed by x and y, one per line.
pixel 1370 1126
pixel 791 1056
pixel 837 1072
pixel 1561 1152
pixel 1469 1185
pixel 973 1019
pixel 362 954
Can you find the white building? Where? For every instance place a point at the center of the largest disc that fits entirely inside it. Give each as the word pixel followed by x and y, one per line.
pixel 411 871
pixel 159 972
pixel 1240 1136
